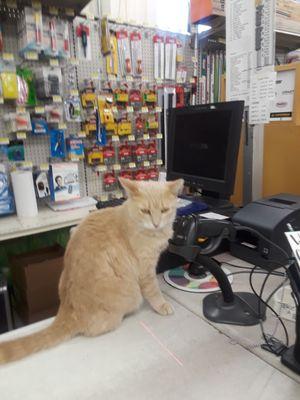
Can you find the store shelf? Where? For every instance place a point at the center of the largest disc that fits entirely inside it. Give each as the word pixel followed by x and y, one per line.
pixel 12 227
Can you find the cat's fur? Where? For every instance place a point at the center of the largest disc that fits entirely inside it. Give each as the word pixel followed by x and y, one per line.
pixel 109 265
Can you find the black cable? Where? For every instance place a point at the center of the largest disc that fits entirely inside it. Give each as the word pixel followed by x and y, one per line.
pixel 270 308
pixel 276 289
pixel 250 268
pixel 256 272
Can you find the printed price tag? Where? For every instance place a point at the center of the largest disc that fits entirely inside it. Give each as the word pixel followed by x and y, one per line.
pixel 70 12
pixel 192 80
pixel 159 81
pixel 74 92
pixel 102 168
pixel 75 159
pixel 104 197
pixel 132 165
pixel 112 78
pixel 1 100
pixel 31 55
pixel 21 110
pixel 159 162
pixel 54 62
pixel 53 10
pixel 62 125
pixel 74 61
pixel 39 110
pixel 194 59
pixel 44 167
pixel 131 138
pixel 21 135
pixel 95 75
pixel 4 140
pixel 8 56
pixel 144 79
pixel 159 136
pixel 36 4
pixel 129 78
pixel 27 164
pixel 129 109
pixel 145 109
pixel 89 16
pixel 146 164
pixel 117 167
pixel 114 109
pixel 115 138
pixel 158 109
pixel 146 136
pixel 57 99
pixel 81 134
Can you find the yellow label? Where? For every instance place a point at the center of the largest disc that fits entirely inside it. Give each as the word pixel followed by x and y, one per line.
pixel 129 78
pixel 159 136
pixel 36 4
pixel 21 135
pixel 104 197
pixel 159 162
pixel 8 56
pixel 117 167
pixel 54 62
pixel 132 165
pixel 102 168
pixel 44 167
pixel 159 80
pixel 144 79
pixel 74 92
pixel 57 99
pixel 11 3
pixel 62 125
pixel 81 134
pixel 70 12
pixel 146 164
pixel 21 110
pixel 27 164
pixel 4 140
pixel 53 10
pixel 131 138
pixel 75 159
pixel 95 75
pixel 146 136
pixel 1 100
pixel 194 59
pixel 145 109
pixel 115 138
pixel 112 77
pixel 31 55
pixel 74 61
pixel 119 195
pixel 39 110
pixel 129 109
pixel 114 109
pixel 158 109
pixel 192 80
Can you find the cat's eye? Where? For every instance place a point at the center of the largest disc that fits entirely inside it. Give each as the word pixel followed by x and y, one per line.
pixel 145 211
pixel 164 210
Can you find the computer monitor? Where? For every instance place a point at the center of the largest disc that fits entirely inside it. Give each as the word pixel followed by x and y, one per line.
pixel 203 145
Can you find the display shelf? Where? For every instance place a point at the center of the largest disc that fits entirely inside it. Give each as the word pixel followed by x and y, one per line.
pixel 12 6
pixel 47 220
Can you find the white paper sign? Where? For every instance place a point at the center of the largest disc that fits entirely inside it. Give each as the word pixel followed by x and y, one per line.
pixel 283 104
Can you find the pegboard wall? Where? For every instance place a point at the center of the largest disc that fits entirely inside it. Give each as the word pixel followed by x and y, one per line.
pixel 37 148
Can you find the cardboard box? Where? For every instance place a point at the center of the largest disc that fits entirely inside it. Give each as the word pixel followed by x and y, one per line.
pixel 288 16
pixel 35 277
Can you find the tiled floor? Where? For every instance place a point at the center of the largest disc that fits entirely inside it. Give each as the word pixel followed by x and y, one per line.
pixel 151 358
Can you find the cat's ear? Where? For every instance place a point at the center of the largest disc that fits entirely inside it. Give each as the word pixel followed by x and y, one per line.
pixel 131 187
pixel 175 187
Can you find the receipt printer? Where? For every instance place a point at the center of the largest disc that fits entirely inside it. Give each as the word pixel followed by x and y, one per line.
pixel 272 217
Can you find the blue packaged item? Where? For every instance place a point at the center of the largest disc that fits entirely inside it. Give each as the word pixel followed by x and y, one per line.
pixel 7 204
pixel 75 148
pixel 193 208
pixel 39 126
pixel 57 143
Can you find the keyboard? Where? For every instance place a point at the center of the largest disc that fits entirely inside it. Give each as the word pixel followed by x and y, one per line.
pixel 182 203
pixel 110 203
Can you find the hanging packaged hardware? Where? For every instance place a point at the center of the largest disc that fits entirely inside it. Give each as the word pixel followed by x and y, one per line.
pixel 159 57
pixel 179 53
pixel 179 96
pixel 170 66
pixel 126 174
pixel 121 97
pixel 140 152
pixel 152 123
pixel 150 98
pixel 124 127
pixel 141 175
pixel 110 182
pixel 108 155
pixel 139 126
pixel 112 64
pixel 136 53
pixel 82 31
pixel 105 37
pixel 125 155
pixel 135 99
pixel 153 174
pixel 124 53
pixel 94 156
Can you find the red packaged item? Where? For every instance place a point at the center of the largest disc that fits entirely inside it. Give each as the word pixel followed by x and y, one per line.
pixel 110 182
pixel 140 152
pixel 135 99
pixel 152 151
pixel 153 174
pixel 125 155
pixel 141 175
pixel 126 174
pixel 108 155
pixel 139 126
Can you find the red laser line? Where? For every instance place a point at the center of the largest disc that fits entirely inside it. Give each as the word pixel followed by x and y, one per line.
pixel 164 347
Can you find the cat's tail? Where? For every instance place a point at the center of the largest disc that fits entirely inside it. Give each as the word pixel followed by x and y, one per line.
pixel 60 330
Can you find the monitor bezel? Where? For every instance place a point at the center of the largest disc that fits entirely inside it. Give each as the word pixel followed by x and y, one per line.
pixel 225 187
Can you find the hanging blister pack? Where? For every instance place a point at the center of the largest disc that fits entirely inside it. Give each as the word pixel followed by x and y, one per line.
pixel 136 53
pixel 171 48
pixel 124 53
pixel 159 57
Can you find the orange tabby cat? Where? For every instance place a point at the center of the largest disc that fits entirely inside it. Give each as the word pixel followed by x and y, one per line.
pixel 109 265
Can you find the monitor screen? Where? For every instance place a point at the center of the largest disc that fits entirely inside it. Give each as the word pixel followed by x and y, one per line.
pixel 203 143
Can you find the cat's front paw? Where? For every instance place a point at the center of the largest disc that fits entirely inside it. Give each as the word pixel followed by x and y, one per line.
pixel 165 309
